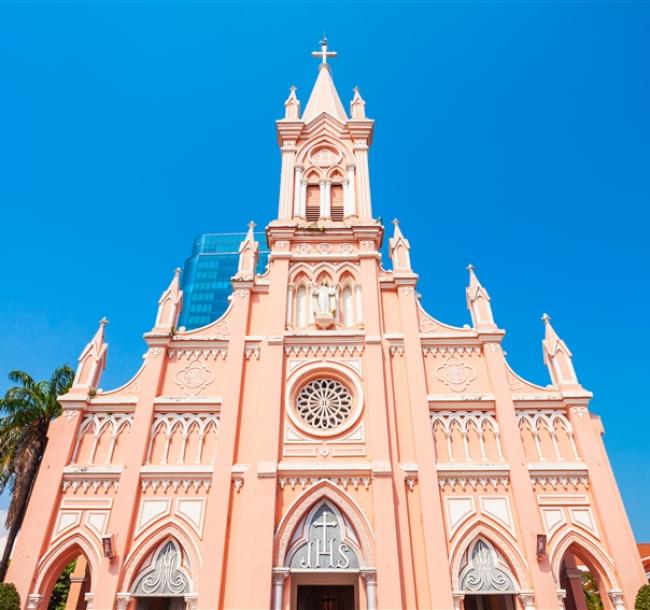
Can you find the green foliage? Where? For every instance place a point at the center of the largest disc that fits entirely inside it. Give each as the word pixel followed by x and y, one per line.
pixel 61 589
pixel 9 598
pixel 590 587
pixel 642 601
pixel 26 410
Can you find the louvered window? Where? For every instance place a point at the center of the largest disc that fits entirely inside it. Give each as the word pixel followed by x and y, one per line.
pixel 337 202
pixel 313 202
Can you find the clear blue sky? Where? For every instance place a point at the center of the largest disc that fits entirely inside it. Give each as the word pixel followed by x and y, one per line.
pixel 512 135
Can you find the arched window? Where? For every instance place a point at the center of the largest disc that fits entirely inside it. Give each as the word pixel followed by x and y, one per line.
pixel 302 306
pixel 312 210
pixel 347 306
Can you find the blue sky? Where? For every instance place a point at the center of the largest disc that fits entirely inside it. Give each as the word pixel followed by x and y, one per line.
pixel 511 135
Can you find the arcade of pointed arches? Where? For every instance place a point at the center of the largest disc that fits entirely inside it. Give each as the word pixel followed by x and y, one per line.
pixel 325 531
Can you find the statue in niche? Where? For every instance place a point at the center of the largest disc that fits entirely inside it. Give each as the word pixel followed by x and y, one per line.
pixel 324 303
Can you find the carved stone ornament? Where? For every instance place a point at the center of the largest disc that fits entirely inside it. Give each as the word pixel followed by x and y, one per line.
pixel 155 351
pixel 241 293
pixel 428 326
pixel 346 248
pixel 281 244
pixel 579 411
pixel 70 414
pixel 325 543
pixel 367 244
pixel 163 576
pixel 324 157
pixel 303 249
pixel 455 374
pixel 406 290
pixel 484 571
pixel 324 248
pixel 193 378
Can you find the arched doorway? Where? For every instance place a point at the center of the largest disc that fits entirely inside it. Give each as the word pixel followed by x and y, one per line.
pixel 324 564
pixel 71 590
pixel 581 581
pixel 485 579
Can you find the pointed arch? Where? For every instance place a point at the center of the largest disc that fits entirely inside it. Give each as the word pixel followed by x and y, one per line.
pixel 306 502
pixel 588 551
pixel 60 555
pixel 153 539
pixel 326 140
pixel 502 542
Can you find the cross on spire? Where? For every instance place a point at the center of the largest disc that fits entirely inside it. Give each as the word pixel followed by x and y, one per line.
pixel 324 53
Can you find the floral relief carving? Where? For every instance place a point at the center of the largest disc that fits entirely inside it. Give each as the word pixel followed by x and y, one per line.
pixel 156 351
pixel 428 326
pixel 324 248
pixel 346 248
pixel 579 411
pixel 367 244
pixel 406 290
pixel 455 374
pixel 281 244
pixel 241 293
pixel 70 414
pixel 303 248
pixel 193 378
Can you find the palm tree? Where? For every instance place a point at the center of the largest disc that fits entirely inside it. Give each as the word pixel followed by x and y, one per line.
pixel 25 414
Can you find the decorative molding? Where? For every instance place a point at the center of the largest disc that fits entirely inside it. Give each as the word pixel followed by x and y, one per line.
pixel 463 422
pixel 303 248
pixel 434 350
pixel 367 244
pixel 556 481
pixel 281 244
pixel 238 471
pixel 346 248
pixel 406 290
pixel 175 484
pixel 455 374
pixel 322 349
pixel 198 353
pixel 396 350
pixel 495 348
pixel 88 483
pixel 341 481
pixel 70 414
pixel 474 482
pixel 410 474
pixel 548 422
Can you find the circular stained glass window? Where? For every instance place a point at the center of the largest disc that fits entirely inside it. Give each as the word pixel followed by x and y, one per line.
pixel 324 404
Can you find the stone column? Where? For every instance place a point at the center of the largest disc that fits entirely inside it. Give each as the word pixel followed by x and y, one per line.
pixel 325 207
pixel 527 599
pixel 122 600
pixel 191 601
pixel 286 180
pixel 561 595
pixel 279 576
pixel 459 599
pixel 298 201
pixel 34 601
pixel 364 206
pixel 370 576
pixel 616 597
pixel 88 598
pixel 349 196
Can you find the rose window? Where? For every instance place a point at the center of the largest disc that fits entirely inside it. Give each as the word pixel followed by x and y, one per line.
pixel 324 404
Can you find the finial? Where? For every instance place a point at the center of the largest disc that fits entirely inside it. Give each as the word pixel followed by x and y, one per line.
pixel 293 89
pixel 324 53
pixel 177 271
pixel 546 318
pixel 470 267
pixel 251 225
pixel 395 222
pixel 103 322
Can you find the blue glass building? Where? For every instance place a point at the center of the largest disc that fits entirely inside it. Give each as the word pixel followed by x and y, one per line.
pixel 205 280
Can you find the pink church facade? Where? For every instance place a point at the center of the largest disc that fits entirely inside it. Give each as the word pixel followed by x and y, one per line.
pixel 327 443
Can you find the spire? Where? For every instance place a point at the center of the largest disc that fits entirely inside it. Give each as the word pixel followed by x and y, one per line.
pixel 248 254
pixel 357 106
pixel 92 360
pixel 399 250
pixel 478 302
pixel 169 304
pixel 292 105
pixel 557 357
pixel 324 97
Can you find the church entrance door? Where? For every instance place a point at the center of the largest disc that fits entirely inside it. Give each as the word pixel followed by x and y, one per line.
pixel 325 597
pixel 489 602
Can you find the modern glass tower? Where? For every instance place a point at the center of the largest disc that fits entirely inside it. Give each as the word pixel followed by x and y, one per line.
pixel 206 276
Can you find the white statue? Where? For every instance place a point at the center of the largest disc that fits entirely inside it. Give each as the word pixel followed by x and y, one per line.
pixel 324 297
